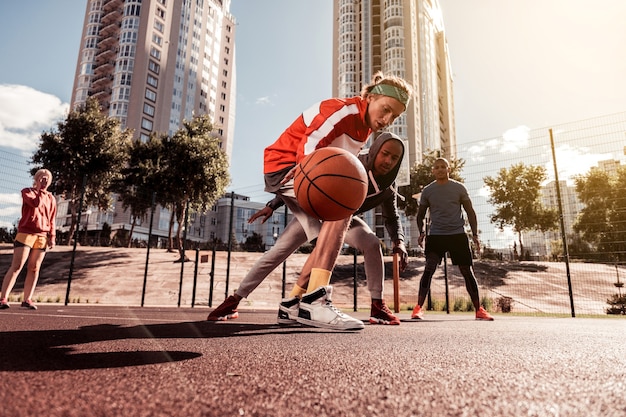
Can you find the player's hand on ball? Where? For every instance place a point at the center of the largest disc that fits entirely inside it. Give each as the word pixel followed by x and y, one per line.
pixel 289 175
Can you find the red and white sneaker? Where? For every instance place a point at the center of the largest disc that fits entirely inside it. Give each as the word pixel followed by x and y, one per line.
pixel 225 311
pixel 380 314
pixel 417 314
pixel 482 314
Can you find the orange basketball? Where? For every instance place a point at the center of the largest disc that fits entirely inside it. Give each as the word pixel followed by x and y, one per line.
pixel 330 184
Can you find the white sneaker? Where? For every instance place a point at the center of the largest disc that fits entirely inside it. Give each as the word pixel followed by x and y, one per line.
pixel 288 310
pixel 317 310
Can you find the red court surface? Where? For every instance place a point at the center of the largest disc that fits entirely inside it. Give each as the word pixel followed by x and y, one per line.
pixel 115 361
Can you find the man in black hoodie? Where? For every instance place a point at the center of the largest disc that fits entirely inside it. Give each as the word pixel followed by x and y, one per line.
pixel 382 163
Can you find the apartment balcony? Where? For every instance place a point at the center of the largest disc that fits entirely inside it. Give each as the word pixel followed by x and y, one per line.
pixel 101 81
pixel 102 94
pixel 103 67
pixel 105 55
pixel 108 41
pixel 112 11
pixel 110 29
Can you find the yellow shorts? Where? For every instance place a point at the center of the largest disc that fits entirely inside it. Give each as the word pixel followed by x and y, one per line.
pixel 32 241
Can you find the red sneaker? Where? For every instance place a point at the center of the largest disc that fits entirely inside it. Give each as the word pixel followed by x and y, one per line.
pixel 417 312
pixel 380 314
pixel 482 314
pixel 225 311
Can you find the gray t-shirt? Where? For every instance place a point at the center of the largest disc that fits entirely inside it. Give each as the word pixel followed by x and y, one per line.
pixel 444 202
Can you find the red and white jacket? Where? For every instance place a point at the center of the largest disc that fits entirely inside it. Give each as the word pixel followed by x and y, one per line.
pixel 335 122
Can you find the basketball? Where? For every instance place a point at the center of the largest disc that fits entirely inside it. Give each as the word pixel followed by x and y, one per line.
pixel 330 184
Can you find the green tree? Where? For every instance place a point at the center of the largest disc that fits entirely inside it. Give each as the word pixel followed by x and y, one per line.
pixel 194 172
pixel 421 176
pixel 140 178
pixel 87 144
pixel 515 193
pixel 602 222
pixel 254 243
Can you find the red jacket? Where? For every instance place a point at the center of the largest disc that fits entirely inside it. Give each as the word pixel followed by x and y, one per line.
pixel 39 211
pixel 334 122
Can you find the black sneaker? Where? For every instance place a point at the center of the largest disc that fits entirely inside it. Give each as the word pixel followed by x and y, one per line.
pixel 29 304
pixel 4 304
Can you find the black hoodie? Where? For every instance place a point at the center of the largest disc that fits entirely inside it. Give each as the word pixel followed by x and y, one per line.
pixel 386 196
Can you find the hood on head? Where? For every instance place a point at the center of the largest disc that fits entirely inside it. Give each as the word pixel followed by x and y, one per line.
pixel 389 178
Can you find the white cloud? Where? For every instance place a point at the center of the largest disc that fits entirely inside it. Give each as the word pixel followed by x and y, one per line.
pixel 572 161
pixel 264 101
pixel 13 198
pixel 10 209
pixel 515 139
pixel 512 141
pixel 25 113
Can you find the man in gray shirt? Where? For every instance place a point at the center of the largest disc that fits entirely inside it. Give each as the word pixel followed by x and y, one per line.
pixel 444 197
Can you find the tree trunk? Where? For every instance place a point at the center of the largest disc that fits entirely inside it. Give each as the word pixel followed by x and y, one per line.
pixel 170 242
pixel 179 239
pixel 132 229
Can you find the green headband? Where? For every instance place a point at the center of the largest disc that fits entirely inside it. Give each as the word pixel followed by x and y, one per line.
pixel 391 91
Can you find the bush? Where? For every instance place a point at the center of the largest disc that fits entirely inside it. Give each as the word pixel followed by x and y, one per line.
pixel 617 304
pixel 505 304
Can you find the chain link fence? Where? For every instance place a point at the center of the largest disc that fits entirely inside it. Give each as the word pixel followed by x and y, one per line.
pixel 576 268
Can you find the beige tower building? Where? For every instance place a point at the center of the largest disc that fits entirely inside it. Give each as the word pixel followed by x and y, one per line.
pixel 152 64
pixel 404 38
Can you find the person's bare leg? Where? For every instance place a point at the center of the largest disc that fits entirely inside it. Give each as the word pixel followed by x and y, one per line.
pixel 32 272
pixel 20 255
pixel 327 249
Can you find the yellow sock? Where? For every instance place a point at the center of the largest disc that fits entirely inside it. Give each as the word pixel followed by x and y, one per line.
pixel 319 278
pixel 297 291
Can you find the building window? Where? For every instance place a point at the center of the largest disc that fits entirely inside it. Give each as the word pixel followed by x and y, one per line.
pixel 153 81
pixel 132 10
pixel 159 26
pixel 125 79
pixel 150 95
pixel 148 109
pixel 154 67
pixel 146 124
pixel 155 53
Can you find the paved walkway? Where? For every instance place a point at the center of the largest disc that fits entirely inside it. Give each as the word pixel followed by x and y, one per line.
pixel 115 361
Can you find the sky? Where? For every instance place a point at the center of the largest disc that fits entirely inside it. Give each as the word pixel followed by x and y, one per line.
pixel 517 65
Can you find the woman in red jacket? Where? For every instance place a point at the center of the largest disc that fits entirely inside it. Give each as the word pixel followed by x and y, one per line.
pixel 35 234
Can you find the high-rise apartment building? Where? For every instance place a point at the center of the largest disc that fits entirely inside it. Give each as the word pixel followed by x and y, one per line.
pixel 404 38
pixel 154 63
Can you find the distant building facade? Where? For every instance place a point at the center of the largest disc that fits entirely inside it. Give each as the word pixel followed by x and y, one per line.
pixel 539 244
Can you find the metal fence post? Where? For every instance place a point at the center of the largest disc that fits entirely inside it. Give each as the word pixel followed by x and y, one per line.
pixel 145 273
pixel 80 210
